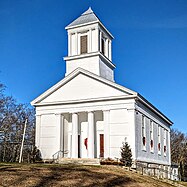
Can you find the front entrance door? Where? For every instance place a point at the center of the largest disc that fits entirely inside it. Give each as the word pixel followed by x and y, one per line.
pixel 101 145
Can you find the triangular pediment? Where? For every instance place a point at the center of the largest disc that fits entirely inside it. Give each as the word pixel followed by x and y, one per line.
pixel 82 85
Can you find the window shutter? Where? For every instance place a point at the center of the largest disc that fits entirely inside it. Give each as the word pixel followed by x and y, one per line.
pixel 83 44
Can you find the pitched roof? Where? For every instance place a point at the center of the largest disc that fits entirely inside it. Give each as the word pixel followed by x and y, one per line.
pixel 87 17
pixel 71 76
pixel 132 94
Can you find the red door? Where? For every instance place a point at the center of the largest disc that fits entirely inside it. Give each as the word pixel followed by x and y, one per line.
pixel 101 145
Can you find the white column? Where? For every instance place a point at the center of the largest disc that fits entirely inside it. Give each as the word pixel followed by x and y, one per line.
pixel 106 114
pixel 76 44
pixel 110 50
pixel 168 148
pixel 97 39
pixel 106 48
pixel 90 41
pixel 74 147
pixel 131 113
pixel 91 135
pixel 69 44
pixel 37 132
pixel 100 43
pixel 60 132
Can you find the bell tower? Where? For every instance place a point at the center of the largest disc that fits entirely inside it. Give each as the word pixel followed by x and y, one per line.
pixel 89 46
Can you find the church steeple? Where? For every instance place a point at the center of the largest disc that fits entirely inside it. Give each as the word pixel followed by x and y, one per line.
pixel 89 46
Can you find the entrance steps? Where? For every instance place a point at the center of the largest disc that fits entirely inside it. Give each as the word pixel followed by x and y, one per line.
pixel 79 161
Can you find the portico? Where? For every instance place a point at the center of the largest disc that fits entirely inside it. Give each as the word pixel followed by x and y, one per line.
pixel 87 133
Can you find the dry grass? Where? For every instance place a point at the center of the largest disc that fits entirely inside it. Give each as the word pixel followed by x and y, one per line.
pixel 70 175
pixel 183 183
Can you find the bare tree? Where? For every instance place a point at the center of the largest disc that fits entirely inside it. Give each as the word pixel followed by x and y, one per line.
pixel 178 146
pixel 12 119
pixel 179 150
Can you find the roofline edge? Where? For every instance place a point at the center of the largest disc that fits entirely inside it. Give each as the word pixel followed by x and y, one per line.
pixel 153 108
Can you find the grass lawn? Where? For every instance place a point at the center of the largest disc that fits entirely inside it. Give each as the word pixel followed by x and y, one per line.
pixel 70 175
pixel 183 183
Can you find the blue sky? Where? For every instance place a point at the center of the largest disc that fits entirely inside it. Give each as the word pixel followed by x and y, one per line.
pixel 149 49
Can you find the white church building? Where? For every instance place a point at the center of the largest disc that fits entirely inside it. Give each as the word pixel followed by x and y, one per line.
pixel 88 115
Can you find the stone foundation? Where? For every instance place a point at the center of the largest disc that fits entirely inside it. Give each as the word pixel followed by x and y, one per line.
pixel 155 170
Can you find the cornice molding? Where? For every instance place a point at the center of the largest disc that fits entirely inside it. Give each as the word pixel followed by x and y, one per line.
pixel 92 54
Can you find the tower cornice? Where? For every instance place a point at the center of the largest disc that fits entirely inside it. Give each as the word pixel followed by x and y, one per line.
pixel 87 55
pixel 100 25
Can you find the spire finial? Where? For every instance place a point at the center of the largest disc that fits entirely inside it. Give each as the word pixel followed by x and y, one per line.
pixel 89 11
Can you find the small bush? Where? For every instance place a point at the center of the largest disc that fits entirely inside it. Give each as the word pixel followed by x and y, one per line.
pixel 110 161
pixel 126 155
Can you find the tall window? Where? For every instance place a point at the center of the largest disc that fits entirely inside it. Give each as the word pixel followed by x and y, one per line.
pixel 103 45
pixel 84 44
pixel 151 136
pixel 165 135
pixel 159 140
pixel 143 133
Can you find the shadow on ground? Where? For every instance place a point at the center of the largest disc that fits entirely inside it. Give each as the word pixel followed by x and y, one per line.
pixel 61 176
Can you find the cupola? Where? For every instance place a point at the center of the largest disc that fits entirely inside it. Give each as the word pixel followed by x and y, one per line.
pixel 89 46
